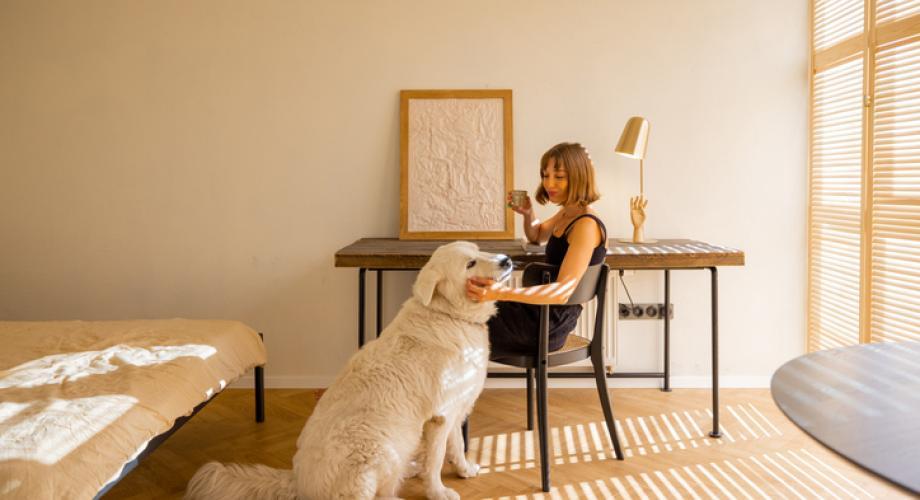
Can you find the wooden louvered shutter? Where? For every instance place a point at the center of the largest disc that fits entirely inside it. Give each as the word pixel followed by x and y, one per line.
pixel 835 175
pixel 895 283
pixel 834 253
pixel 864 173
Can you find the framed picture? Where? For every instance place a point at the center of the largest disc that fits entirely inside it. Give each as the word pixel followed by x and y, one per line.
pixel 456 164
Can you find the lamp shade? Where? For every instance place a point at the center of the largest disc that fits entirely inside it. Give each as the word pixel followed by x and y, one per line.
pixel 634 139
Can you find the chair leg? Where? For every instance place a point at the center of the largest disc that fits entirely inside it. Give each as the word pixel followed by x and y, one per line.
pixel 543 425
pixel 530 399
pixel 259 375
pixel 601 382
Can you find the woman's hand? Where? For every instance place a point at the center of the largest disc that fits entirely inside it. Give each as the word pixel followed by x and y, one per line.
pixel 482 289
pixel 524 208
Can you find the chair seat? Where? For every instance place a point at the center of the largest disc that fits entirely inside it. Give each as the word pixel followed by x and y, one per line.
pixel 575 348
pixel 573 342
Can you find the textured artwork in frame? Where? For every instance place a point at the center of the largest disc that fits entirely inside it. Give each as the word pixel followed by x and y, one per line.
pixel 456 164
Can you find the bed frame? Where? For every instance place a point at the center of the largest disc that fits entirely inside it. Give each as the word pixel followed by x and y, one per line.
pixel 259 375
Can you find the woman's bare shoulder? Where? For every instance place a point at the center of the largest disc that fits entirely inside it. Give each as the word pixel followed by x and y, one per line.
pixel 588 227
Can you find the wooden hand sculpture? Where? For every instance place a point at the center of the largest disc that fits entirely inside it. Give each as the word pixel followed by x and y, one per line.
pixel 637 206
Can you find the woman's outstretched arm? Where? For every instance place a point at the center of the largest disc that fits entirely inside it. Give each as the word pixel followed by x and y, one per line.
pixel 583 239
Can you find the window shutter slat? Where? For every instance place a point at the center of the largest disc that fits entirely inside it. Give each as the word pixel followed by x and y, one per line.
pixel 892 10
pixel 836 21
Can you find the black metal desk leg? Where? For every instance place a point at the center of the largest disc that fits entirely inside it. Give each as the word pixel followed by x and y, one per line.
pixel 362 278
pixel 716 433
pixel 667 331
pixel 379 301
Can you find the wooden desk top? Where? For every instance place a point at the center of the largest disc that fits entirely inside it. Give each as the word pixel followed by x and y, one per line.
pixel 392 253
pixel 860 401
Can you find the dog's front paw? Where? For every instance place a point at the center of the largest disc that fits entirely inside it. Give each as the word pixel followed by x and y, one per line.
pixel 468 470
pixel 443 494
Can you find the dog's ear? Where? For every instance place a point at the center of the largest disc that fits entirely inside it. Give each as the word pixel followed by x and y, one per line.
pixel 425 284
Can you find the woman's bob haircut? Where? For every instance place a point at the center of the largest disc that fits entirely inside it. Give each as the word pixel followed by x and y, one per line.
pixel 574 159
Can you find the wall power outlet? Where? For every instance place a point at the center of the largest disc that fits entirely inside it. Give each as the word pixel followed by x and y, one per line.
pixel 644 311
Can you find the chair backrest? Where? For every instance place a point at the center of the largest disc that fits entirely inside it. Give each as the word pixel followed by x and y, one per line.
pixel 587 288
pixel 593 284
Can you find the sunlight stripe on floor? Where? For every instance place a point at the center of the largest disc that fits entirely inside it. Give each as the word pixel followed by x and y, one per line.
pixel 777 478
pixel 637 488
pixel 696 480
pixel 604 490
pixel 714 481
pixel 684 484
pixel 667 484
pixel 730 480
pixel 515 457
pixel 741 421
pixel 767 457
pixel 745 479
pixel 570 444
pixel 750 417
pixel 556 450
pixel 596 438
pixel 645 477
pixel 648 435
pixel 763 479
pixel 583 446
pixel 825 477
pixel 618 485
pixel 837 473
pixel 806 475
pixel 587 491
pixel 722 428
pixel 765 419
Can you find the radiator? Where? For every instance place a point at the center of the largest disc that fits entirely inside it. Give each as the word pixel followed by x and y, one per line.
pixel 585 328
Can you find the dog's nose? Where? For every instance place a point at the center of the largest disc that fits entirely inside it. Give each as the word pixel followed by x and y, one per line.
pixel 504 261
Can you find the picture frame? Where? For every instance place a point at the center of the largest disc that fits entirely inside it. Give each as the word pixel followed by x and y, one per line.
pixel 456 164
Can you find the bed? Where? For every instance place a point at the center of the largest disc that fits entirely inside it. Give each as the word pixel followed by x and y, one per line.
pixel 82 402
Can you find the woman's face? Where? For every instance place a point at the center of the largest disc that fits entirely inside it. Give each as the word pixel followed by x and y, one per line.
pixel 555 182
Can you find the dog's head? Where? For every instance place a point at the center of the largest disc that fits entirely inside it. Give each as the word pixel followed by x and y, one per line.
pixel 446 273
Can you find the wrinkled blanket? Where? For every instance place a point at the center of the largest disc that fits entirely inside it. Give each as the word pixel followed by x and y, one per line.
pixel 79 399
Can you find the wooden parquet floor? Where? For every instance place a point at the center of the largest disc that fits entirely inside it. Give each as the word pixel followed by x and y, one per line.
pixel 761 453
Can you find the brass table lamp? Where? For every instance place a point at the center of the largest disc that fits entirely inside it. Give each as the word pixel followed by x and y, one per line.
pixel 633 144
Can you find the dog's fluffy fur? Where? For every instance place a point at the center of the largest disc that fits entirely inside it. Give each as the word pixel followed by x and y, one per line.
pixel 403 396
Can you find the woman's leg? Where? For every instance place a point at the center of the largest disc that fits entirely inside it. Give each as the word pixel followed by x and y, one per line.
pixel 513 328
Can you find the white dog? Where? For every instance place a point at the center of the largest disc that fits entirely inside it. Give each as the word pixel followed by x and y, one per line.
pixel 402 396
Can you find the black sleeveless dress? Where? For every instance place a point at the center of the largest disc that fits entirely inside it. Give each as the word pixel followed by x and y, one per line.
pixel 515 327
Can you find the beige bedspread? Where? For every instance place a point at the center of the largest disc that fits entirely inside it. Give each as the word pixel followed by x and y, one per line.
pixel 80 399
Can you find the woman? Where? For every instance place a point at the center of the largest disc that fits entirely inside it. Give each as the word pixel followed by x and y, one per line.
pixel 575 238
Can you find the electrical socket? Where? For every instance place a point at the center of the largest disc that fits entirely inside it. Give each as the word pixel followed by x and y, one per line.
pixel 644 311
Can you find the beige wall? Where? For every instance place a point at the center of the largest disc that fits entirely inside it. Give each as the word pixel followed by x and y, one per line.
pixel 205 159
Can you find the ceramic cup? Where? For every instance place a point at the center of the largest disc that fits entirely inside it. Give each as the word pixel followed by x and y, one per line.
pixel 517 197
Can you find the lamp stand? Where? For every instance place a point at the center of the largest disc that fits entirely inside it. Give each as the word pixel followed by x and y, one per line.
pixel 638 234
pixel 641 178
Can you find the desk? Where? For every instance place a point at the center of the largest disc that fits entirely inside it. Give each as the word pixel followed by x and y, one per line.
pixel 391 254
pixel 860 401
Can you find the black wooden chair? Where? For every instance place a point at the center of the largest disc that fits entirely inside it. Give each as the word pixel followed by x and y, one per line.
pixel 592 284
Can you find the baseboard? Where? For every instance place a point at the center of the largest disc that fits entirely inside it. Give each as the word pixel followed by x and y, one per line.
pixel 677 382
pixel 285 382
pixel 681 382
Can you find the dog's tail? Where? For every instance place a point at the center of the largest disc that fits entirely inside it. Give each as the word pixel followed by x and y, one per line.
pixel 233 481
